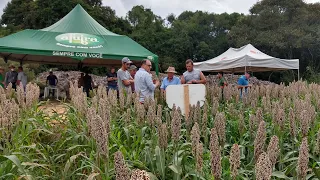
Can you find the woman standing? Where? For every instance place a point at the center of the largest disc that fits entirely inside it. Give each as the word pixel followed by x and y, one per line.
pixel 1 77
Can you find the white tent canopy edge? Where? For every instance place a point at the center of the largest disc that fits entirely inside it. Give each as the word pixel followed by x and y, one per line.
pixel 246 58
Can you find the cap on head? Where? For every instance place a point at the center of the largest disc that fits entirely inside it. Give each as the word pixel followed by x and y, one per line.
pixel 132 67
pixel 12 66
pixel 171 70
pixel 126 60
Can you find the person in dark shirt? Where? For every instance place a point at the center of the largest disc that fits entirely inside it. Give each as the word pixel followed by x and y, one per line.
pixel 53 81
pixel 88 83
pixel 222 83
pixel 112 80
pixel 2 83
pixel 80 81
pixel 12 77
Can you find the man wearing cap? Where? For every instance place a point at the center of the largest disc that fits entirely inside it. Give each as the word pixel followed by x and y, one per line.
pixel 170 79
pixel 11 77
pixel 243 82
pixel 2 77
pixel 124 78
pixel 144 83
pixel 132 71
pixel 192 76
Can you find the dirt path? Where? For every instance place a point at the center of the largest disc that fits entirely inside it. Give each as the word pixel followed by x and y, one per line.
pixel 55 112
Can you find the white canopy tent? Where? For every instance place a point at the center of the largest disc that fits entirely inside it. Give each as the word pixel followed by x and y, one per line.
pixel 246 58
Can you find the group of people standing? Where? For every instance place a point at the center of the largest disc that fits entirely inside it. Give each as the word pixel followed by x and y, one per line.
pixel 13 77
pixel 243 83
pixel 129 79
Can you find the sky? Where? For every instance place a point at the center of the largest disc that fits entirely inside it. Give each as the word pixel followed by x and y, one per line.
pixel 165 7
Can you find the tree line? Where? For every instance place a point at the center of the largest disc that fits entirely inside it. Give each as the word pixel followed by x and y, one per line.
pixel 286 29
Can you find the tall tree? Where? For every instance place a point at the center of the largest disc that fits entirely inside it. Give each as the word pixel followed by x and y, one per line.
pixel 285 29
pixel 17 13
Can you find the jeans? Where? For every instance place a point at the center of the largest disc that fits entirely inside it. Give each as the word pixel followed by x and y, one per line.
pixel 14 85
pixel 87 90
pixel 245 92
pixel 112 88
pixel 52 92
pixel 222 95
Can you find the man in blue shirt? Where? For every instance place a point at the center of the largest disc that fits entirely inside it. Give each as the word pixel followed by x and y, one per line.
pixel 170 80
pixel 143 82
pixel 243 82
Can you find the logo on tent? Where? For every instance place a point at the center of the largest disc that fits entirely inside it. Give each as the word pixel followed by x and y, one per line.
pixel 255 52
pixel 79 40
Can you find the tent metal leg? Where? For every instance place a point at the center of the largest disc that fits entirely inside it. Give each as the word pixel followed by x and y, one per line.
pixel 6 58
pixel 80 65
pixel 298 74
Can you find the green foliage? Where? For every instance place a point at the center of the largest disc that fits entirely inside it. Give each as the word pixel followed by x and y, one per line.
pixel 27 68
pixel 284 29
pixel 56 147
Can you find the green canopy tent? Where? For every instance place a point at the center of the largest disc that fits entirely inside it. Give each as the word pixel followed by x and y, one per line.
pixel 77 39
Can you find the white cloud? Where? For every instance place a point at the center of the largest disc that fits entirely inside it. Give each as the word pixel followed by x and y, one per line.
pixel 3 4
pixel 165 7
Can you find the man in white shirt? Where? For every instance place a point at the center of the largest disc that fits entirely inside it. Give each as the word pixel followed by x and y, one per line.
pixel 143 81
pixel 22 78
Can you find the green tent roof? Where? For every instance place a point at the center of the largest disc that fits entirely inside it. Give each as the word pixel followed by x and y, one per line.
pixel 75 38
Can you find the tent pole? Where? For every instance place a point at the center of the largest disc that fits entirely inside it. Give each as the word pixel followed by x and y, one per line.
pixel 6 58
pixel 156 61
pixel 80 65
pixel 298 74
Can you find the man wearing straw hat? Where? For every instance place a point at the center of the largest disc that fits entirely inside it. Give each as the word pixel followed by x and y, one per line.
pixel 1 77
pixel 12 77
pixel 170 79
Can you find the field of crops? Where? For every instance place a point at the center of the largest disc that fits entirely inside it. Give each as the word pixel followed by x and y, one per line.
pixel 273 133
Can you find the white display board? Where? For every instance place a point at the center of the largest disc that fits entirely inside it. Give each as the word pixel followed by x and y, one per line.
pixel 175 94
